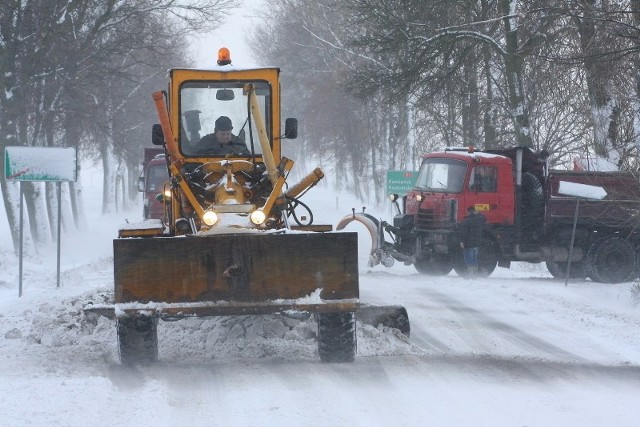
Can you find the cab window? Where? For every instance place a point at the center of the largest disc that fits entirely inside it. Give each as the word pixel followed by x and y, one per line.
pixel 483 179
pixel 203 102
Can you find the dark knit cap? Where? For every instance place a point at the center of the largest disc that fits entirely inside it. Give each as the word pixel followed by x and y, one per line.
pixel 224 124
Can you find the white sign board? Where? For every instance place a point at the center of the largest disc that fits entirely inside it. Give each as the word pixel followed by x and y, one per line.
pixel 581 190
pixel 40 164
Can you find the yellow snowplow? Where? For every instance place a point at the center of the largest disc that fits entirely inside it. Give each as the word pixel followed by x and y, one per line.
pixel 231 241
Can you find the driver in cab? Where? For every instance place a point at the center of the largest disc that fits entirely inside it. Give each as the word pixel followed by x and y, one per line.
pixel 222 141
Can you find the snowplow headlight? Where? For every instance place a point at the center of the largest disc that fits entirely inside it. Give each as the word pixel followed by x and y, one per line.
pixel 257 217
pixel 419 197
pixel 210 218
pixel 167 194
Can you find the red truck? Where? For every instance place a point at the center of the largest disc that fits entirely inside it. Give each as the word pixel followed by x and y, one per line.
pixel 153 176
pixel 528 218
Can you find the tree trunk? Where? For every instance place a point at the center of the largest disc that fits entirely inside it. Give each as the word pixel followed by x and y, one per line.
pixel 109 176
pixel 514 69
pixel 489 119
pixel 66 221
pixel 635 8
pixel 11 199
pixel 37 214
pixel 598 75
pixel 77 204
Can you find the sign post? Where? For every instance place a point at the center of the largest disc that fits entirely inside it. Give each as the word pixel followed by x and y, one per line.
pixel 49 164
pixel 578 191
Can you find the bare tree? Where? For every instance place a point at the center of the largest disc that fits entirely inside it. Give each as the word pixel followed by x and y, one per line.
pixel 58 61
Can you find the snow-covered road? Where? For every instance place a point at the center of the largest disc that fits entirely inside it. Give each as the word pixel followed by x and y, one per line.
pixel 515 349
pixel 518 348
pixel 517 314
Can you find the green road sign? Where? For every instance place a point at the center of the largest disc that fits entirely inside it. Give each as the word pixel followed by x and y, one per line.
pixel 40 164
pixel 400 182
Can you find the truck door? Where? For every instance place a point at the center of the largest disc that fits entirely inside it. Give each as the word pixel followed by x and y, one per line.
pixel 482 192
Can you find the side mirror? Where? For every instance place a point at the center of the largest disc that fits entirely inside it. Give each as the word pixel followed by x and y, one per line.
pixel 225 95
pixel 291 128
pixel 141 183
pixel 157 136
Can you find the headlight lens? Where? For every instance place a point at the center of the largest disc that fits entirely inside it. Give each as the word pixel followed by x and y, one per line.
pixel 167 193
pixel 257 217
pixel 210 218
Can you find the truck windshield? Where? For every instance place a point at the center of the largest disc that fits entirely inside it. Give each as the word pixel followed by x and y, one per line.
pixel 203 103
pixel 156 177
pixel 441 175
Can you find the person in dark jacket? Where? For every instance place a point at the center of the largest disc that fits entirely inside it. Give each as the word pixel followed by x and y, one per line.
pixel 222 141
pixel 470 233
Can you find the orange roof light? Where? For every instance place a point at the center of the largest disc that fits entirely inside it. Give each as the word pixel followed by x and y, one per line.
pixel 471 149
pixel 224 56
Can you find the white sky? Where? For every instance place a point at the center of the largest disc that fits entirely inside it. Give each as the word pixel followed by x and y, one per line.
pixel 232 35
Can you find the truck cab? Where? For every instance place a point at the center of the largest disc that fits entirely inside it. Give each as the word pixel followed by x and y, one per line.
pixel 152 183
pixel 450 182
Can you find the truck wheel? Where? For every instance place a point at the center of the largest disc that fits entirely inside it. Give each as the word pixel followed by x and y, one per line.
pixel 559 269
pixel 438 265
pixel 138 340
pixel 337 337
pixel 611 261
pixel 487 260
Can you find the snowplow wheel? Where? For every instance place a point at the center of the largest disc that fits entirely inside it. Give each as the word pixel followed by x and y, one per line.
pixel 337 337
pixel 559 270
pixel 438 265
pixel 138 340
pixel 487 260
pixel 611 261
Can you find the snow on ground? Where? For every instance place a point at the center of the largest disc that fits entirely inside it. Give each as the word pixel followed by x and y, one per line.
pixel 518 348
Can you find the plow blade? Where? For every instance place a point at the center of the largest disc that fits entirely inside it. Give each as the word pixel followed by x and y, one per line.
pixel 253 271
pixel 373 227
pixel 391 316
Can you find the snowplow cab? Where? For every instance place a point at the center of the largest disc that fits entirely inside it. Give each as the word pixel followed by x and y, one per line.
pixel 222 132
pixel 231 243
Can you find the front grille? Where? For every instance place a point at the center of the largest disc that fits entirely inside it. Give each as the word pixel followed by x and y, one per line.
pixel 426 219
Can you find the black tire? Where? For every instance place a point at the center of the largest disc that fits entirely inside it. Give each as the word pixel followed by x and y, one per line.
pixel 337 337
pixel 487 259
pixel 532 202
pixel 559 270
pixel 611 261
pixel 438 265
pixel 138 340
